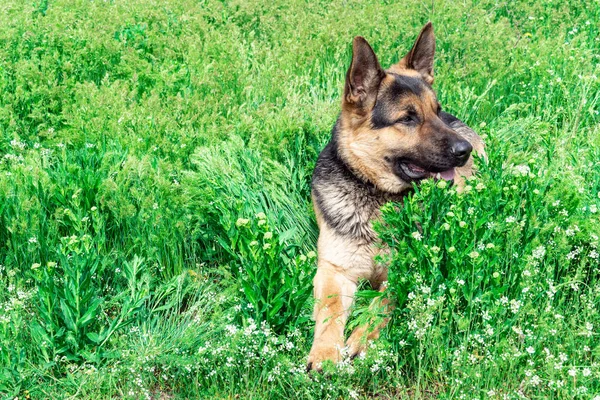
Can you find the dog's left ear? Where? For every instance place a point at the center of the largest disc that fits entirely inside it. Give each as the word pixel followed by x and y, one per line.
pixel 420 57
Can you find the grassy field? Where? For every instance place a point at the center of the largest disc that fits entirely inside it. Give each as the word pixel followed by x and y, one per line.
pixel 156 233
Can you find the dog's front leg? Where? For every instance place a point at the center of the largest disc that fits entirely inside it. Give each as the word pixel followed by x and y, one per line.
pixel 334 294
pixel 362 335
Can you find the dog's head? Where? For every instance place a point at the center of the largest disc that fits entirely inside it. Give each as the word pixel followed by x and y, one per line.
pixel 390 131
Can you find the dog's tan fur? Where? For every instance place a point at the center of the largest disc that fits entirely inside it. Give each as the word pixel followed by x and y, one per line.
pixel 347 247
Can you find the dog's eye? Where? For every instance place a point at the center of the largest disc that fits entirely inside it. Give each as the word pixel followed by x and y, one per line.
pixel 407 120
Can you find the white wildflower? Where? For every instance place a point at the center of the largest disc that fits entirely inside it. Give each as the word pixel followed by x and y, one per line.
pixel 521 170
pixel 241 221
pixel 539 252
pixel 515 305
pixel 417 236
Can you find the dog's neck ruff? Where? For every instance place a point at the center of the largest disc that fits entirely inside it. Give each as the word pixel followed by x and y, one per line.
pixel 354 172
pixel 346 201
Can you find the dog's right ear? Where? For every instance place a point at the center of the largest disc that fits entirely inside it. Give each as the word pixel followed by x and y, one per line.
pixel 363 76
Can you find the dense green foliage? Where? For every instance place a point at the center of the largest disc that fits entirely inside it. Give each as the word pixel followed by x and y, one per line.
pixel 503 279
pixel 142 144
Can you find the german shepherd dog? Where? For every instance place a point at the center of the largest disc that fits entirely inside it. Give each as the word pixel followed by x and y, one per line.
pixel 390 134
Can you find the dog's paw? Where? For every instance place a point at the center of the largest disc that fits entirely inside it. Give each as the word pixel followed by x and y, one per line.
pixel 357 342
pixel 321 353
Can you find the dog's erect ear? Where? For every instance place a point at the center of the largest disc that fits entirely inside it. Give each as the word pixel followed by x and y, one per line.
pixel 363 76
pixel 420 57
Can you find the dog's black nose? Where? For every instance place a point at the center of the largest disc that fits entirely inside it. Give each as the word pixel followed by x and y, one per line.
pixel 461 149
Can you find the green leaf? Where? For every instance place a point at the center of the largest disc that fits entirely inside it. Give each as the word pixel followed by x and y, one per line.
pixel 275 307
pixel 90 314
pixel 94 337
pixel 68 315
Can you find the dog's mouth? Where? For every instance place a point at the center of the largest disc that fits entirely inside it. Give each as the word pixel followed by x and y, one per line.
pixel 411 172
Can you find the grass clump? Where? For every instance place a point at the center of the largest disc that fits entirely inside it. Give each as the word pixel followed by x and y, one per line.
pixel 133 137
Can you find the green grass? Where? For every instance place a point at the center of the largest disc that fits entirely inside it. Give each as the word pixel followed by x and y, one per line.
pixel 137 138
